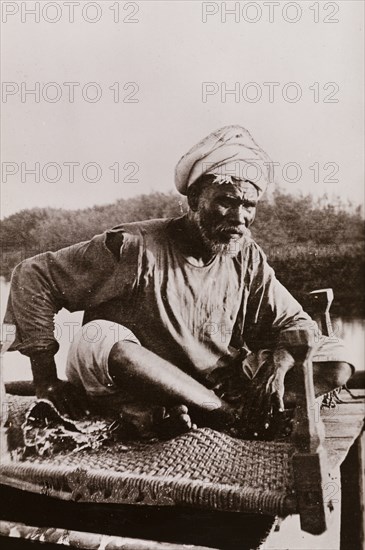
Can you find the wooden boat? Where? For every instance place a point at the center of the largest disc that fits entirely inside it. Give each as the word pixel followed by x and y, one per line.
pixel 204 489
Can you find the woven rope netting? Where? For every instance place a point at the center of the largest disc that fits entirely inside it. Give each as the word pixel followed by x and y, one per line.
pixel 203 467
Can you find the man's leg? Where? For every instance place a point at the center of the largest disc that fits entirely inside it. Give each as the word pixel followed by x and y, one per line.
pixel 327 376
pixel 330 375
pixel 107 360
pixel 150 379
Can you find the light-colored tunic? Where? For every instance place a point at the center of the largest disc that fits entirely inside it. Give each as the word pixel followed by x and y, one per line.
pixel 136 276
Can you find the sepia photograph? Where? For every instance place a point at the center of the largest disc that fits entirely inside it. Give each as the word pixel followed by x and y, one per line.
pixel 182 278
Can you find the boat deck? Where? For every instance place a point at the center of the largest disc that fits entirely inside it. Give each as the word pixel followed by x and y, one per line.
pixel 200 528
pixel 343 424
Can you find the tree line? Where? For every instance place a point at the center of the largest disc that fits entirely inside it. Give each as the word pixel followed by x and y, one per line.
pixel 310 243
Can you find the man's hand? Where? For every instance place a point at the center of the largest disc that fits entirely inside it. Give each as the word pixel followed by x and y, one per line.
pixel 68 400
pixel 275 388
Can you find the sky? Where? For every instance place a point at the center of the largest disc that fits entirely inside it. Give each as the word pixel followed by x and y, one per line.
pixel 151 78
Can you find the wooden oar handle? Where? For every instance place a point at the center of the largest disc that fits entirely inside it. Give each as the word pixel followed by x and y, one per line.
pixel 300 343
pixel 309 459
pixel 319 304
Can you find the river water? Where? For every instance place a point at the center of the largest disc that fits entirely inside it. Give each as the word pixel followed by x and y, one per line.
pixel 17 366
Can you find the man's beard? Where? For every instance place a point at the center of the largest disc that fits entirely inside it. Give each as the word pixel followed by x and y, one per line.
pixel 218 236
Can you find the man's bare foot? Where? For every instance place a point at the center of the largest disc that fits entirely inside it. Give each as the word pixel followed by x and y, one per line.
pixel 173 422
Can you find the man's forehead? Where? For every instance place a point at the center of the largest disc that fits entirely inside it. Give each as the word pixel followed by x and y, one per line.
pixel 237 187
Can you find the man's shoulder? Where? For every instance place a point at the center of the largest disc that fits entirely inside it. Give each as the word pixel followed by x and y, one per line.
pixel 135 233
pixel 142 227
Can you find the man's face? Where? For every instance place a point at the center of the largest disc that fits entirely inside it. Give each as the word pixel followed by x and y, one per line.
pixel 224 213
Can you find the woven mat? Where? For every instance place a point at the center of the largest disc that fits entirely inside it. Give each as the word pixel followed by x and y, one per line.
pixel 202 468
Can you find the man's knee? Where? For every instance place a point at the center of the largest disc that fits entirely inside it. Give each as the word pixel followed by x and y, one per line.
pixel 122 361
pixel 335 373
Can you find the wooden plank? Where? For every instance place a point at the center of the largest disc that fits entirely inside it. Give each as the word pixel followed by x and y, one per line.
pixel 343 424
pixel 344 419
pixel 345 409
pixel 337 450
pixel 352 500
pixel 344 430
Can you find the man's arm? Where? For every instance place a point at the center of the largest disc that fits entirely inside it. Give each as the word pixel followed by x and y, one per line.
pixel 78 277
pixel 272 310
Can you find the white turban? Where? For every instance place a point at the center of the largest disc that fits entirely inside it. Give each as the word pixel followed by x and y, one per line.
pixel 229 151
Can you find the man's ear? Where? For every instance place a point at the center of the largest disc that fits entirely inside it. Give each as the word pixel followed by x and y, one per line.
pixel 252 220
pixel 193 200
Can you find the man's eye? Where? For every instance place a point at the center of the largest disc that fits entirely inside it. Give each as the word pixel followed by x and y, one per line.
pixel 249 205
pixel 226 203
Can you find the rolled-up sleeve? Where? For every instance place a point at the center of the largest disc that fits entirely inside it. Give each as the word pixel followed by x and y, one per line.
pixel 77 277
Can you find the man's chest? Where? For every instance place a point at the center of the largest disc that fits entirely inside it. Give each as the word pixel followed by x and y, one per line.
pixel 203 301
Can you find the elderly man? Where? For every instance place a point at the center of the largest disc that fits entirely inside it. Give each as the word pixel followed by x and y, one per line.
pixel 171 305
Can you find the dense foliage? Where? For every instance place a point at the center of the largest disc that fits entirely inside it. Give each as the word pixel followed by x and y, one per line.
pixel 310 244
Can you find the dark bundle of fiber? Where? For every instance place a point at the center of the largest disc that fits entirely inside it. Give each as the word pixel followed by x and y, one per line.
pixel 257 416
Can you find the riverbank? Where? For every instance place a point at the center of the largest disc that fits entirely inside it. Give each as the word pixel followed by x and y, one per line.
pixel 303 268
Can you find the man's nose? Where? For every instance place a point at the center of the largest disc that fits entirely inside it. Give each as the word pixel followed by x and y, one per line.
pixel 239 215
